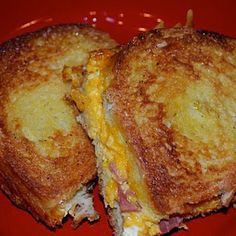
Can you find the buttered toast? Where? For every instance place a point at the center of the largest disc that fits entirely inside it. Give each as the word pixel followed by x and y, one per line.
pixel 161 111
pixel 46 159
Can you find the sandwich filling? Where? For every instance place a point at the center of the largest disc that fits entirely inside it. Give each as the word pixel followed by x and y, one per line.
pixel 119 173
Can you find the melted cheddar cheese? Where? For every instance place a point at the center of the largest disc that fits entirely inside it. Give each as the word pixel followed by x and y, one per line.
pixel 110 145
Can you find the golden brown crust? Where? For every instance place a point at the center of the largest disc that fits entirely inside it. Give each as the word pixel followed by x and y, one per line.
pixel 174 98
pixel 36 181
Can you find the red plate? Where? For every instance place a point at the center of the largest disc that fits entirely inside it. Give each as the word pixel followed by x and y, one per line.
pixel 122 19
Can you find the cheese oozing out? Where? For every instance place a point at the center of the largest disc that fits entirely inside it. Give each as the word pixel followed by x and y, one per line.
pixel 111 148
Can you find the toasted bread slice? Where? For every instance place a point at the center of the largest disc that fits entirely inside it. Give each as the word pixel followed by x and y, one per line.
pixel 46 158
pixel 161 112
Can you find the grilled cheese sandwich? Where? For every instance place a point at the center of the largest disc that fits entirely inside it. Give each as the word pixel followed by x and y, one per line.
pixel 47 162
pixel 109 143
pixel 161 113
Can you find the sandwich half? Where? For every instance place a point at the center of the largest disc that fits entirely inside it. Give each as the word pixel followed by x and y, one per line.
pixel 162 115
pixel 47 161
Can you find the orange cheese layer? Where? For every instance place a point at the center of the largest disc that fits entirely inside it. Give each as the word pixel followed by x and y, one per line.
pixel 111 144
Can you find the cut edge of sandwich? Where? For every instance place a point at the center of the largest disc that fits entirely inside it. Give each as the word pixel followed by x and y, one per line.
pixel 121 185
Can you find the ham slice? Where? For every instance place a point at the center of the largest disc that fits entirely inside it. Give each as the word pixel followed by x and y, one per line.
pixel 167 225
pixel 117 175
pixel 125 204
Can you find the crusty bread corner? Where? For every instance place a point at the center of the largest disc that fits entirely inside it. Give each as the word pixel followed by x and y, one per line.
pixel 45 156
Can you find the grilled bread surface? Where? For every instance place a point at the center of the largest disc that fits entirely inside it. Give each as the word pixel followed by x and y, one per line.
pixel 45 156
pixel 166 137
pixel 174 96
